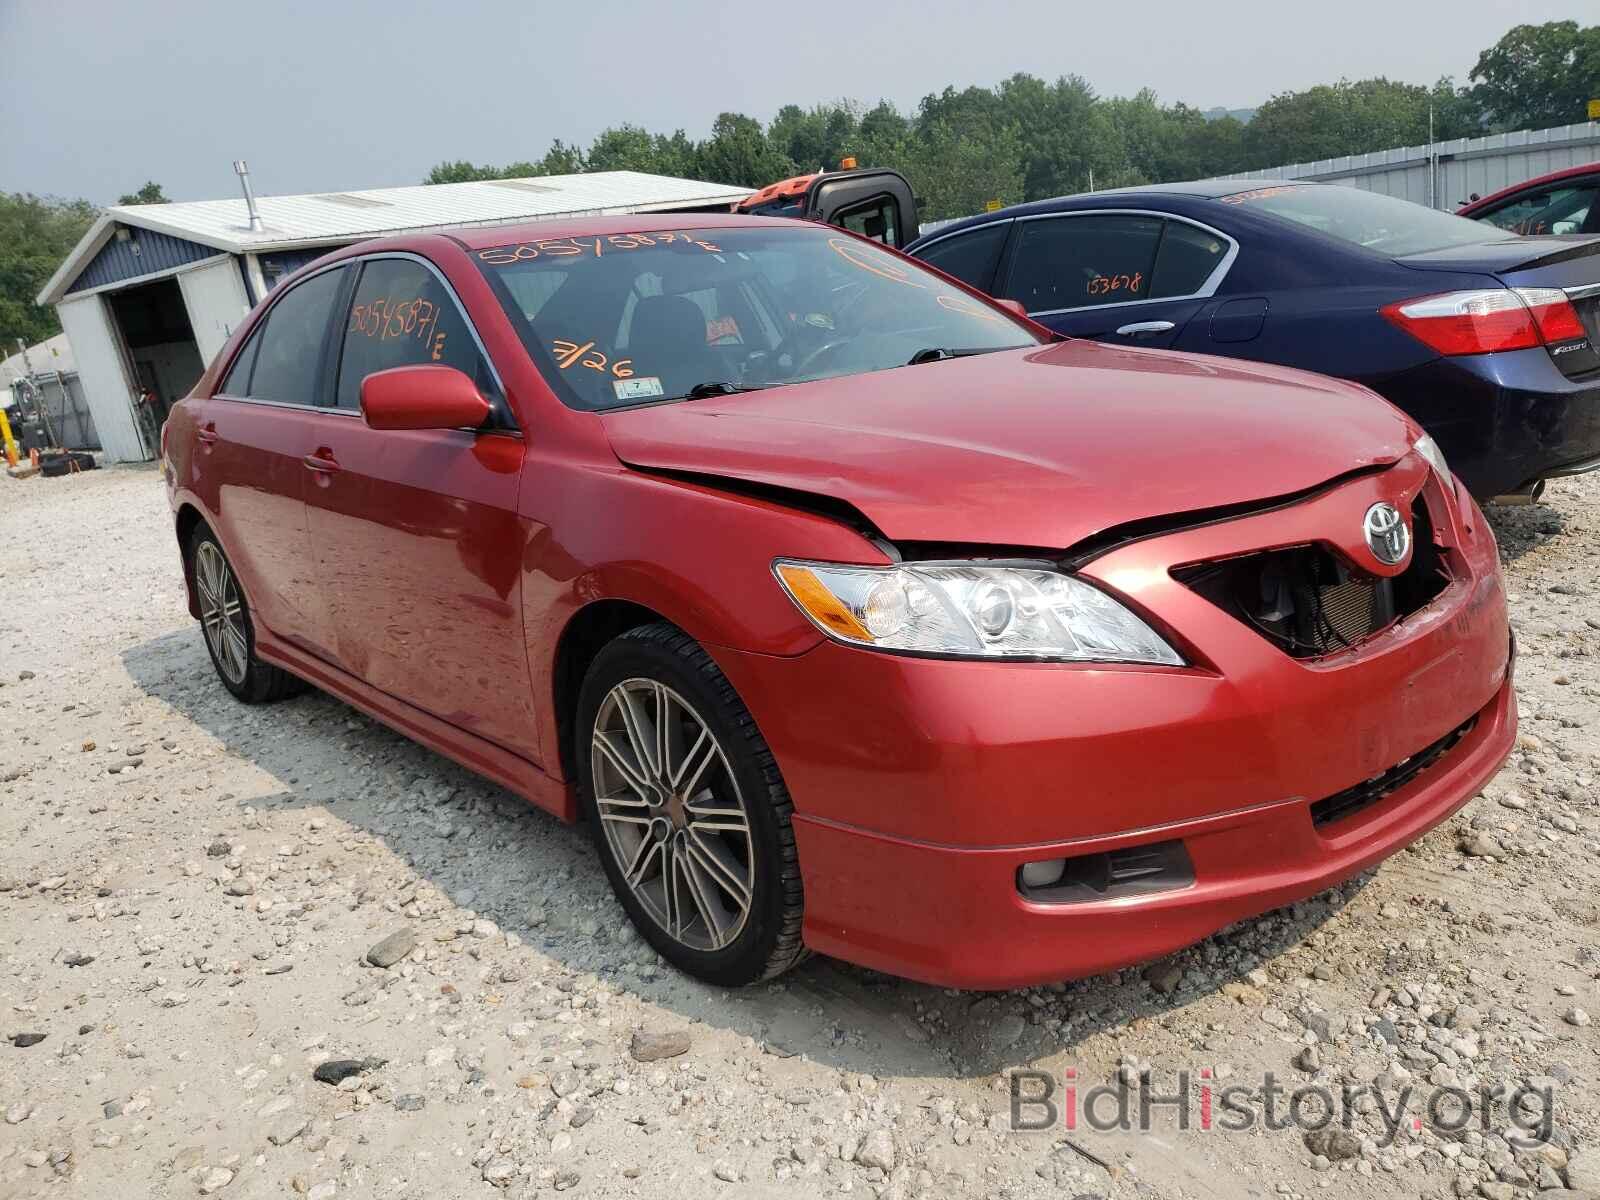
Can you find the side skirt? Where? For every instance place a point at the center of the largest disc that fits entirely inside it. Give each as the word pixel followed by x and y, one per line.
pixel 476 754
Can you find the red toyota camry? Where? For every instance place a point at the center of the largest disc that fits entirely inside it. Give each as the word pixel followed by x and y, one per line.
pixel 851 612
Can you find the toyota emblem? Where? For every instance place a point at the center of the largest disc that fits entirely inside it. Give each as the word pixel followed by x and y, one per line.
pixel 1388 535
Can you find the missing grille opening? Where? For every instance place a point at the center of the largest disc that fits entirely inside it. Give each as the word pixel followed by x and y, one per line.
pixel 1309 602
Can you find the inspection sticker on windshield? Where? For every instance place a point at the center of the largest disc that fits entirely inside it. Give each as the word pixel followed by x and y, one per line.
pixel 641 387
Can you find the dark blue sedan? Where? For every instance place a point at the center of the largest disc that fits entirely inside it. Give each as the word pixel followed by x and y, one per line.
pixel 1486 338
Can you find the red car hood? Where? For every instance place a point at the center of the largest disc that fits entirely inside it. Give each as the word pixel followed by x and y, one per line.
pixel 1040 447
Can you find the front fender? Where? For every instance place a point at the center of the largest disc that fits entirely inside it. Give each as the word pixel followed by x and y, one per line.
pixel 695 556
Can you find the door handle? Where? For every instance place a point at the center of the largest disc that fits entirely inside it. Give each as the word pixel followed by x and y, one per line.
pixel 322 461
pixel 1140 328
pixel 207 433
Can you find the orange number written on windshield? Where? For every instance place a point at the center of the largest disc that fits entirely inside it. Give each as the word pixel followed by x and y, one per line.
pixel 585 355
pixel 588 247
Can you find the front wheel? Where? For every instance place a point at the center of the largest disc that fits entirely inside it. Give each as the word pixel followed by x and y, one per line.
pixel 688 809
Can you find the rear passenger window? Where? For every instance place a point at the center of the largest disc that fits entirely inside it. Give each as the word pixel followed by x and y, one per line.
pixel 1186 259
pixel 290 354
pixel 285 364
pixel 970 257
pixel 1078 261
pixel 402 315
pixel 238 381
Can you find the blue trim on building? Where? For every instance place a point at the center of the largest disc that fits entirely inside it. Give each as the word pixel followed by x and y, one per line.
pixel 278 265
pixel 144 253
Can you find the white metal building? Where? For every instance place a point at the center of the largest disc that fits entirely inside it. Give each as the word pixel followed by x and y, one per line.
pixel 152 291
pixel 1445 175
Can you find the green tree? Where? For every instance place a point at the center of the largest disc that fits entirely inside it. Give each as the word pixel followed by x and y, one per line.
pixel 1332 120
pixel 1067 134
pixel 738 153
pixel 36 233
pixel 150 193
pixel 817 138
pixel 625 148
pixel 562 159
pixel 1538 75
pixel 676 155
pixel 1215 147
pixel 462 171
pixel 881 136
pixel 958 166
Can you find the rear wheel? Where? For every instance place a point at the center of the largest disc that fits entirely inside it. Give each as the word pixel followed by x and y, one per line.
pixel 688 810
pixel 229 635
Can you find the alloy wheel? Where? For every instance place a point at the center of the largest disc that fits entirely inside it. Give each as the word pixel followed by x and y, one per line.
pixel 221 613
pixel 673 815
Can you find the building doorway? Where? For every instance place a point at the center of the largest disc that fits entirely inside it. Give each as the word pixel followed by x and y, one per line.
pixel 164 358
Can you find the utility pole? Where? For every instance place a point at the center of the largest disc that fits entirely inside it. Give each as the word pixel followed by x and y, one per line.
pixel 1433 162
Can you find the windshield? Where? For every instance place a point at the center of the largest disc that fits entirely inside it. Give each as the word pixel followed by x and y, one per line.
pixel 1381 223
pixel 642 317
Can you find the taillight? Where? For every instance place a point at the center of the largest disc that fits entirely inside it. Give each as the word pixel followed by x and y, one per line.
pixel 1553 313
pixel 1489 320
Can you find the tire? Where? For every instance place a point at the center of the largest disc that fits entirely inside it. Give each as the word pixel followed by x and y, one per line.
pixel 231 638
pixel 655 828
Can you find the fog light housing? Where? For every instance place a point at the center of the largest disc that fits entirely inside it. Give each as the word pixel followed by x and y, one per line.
pixel 1043 873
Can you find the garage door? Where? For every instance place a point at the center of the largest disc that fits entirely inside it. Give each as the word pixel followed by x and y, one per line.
pixel 103 373
pixel 214 296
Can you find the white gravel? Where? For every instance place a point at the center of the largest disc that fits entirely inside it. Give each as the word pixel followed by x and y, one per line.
pixel 194 895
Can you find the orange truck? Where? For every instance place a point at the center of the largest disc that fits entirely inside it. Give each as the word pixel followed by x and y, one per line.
pixel 874 202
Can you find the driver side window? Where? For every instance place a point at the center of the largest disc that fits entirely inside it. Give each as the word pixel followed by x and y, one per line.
pixel 401 315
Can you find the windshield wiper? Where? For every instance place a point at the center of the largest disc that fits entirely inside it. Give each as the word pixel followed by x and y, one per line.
pixel 716 387
pixel 930 354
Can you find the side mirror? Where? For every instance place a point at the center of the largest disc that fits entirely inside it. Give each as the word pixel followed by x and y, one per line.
pixel 1011 306
pixel 422 397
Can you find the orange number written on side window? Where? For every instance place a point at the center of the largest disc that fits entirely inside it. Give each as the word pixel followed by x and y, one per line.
pixel 1105 285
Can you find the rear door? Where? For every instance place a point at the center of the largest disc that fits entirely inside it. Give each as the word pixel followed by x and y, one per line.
pixel 251 436
pixel 1130 277
pixel 415 533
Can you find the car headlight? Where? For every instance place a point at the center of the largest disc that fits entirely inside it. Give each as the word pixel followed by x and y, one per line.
pixel 1429 449
pixel 971 610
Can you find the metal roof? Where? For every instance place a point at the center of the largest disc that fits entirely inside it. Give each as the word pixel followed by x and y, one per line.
pixel 336 218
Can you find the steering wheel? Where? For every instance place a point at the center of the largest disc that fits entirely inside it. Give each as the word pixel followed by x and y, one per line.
pixel 827 347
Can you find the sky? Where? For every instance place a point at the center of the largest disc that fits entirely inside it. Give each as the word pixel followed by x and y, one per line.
pixel 96 96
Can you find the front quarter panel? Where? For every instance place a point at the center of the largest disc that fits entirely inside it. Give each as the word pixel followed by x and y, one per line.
pixel 698 556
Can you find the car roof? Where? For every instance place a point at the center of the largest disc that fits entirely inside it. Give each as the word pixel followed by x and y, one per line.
pixel 1198 189
pixel 484 237
pixel 1565 173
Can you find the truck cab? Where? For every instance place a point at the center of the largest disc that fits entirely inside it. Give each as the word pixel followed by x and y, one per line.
pixel 874 202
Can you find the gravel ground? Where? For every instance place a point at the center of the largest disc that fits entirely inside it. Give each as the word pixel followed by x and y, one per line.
pixel 194 896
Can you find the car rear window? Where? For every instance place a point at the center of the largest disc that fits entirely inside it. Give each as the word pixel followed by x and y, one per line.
pixel 1379 223
pixel 636 318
